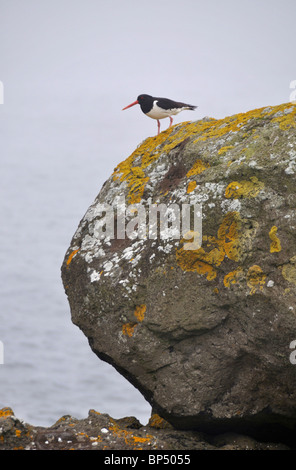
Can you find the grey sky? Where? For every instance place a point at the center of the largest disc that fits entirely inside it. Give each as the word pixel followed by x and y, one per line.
pixel 223 55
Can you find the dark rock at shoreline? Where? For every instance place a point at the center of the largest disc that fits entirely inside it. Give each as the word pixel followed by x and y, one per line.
pixel 101 432
pixel 205 333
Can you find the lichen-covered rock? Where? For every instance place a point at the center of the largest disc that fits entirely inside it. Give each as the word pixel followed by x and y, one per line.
pixel 100 431
pixel 204 333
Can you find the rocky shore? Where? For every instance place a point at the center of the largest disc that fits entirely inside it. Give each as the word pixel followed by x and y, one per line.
pixel 101 432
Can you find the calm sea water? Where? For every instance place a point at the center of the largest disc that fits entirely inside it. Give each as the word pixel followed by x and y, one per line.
pixel 53 164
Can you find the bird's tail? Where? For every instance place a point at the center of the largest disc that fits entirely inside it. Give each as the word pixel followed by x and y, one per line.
pixel 191 107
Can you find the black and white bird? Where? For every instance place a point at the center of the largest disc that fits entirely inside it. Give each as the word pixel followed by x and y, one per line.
pixel 160 108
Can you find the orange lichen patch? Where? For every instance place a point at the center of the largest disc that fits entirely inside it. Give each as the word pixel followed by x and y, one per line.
pixel 225 149
pixel 134 174
pixel 218 128
pixel 197 168
pixel 255 279
pixel 275 245
pixel 205 260
pixel 137 185
pixel 135 178
pixel 248 189
pixel 128 329
pixel 71 256
pixel 132 169
pixel 64 418
pixel 140 312
pixel 232 277
pixel 288 119
pixel 130 439
pixel 158 422
pixel 18 432
pixel 189 261
pixel 191 186
pixel 6 412
pixel 94 412
pixel 229 234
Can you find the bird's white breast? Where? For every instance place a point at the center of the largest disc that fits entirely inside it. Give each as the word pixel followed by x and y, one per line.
pixel 159 113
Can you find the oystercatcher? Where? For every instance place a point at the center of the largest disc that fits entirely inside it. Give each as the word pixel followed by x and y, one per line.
pixel 160 108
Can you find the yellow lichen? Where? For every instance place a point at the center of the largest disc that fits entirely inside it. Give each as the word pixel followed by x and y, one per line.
pixel 232 277
pixel 140 312
pixel 197 168
pixel 128 329
pixel 255 279
pixel 287 119
pixel 275 245
pixel 218 128
pixel 148 152
pixel 94 411
pixel 205 260
pixel 191 186
pixel 158 422
pixel 228 235
pixel 248 189
pixel 6 412
pixel 129 438
pixel 71 256
pixel 225 149
pixel 289 270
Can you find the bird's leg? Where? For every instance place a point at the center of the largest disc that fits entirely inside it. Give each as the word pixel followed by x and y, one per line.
pixel 158 126
pixel 171 121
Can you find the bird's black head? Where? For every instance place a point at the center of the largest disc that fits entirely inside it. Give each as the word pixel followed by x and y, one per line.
pixel 144 98
pixel 146 102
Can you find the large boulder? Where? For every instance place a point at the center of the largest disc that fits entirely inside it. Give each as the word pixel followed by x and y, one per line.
pixel 200 322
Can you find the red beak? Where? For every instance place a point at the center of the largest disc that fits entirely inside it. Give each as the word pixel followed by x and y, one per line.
pixel 136 102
